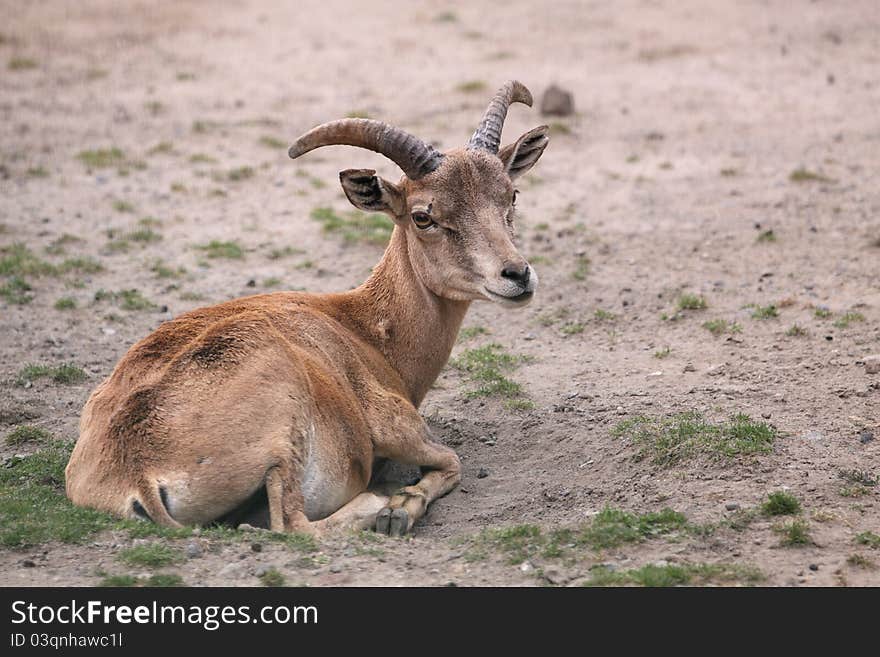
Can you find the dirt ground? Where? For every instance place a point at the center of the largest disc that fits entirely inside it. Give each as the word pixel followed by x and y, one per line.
pixel 692 122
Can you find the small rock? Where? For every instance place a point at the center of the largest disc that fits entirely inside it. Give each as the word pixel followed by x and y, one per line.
pixel 732 506
pixel 866 436
pixel 654 375
pixel 251 283
pixel 482 473
pixel 715 370
pixel 262 570
pixel 525 567
pixel 814 567
pixel 872 365
pixel 689 368
pixel 530 336
pixel 106 330
pixel 766 416
pixel 233 569
pixel 256 547
pixel 812 434
pixel 335 568
pixel 193 550
pixel 27 563
pixel 556 101
pixel 245 527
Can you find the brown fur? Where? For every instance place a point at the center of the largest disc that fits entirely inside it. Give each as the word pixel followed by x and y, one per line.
pixel 300 393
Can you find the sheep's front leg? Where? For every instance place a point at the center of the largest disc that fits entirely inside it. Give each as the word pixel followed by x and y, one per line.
pixel 441 470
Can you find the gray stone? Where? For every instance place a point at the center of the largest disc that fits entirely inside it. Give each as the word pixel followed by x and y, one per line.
pixel 193 550
pixel 556 101
pixel 872 365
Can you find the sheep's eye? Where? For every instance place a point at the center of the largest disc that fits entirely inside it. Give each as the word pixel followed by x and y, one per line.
pixel 515 194
pixel 422 220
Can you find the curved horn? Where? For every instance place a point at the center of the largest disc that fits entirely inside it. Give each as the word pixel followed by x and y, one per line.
pixel 410 153
pixel 488 134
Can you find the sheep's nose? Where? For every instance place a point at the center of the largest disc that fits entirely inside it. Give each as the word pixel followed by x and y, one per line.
pixel 517 272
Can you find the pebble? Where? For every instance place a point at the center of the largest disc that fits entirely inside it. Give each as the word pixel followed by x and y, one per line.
pixel 335 568
pixel 530 336
pixel 872 365
pixel 814 567
pixel 715 370
pixel 766 416
pixel 27 563
pixel 866 436
pixel 193 550
pixel 732 506
pixel 256 547
pixel 556 101
pixel 482 473
pixel 525 566
pixel 689 368
pixel 232 569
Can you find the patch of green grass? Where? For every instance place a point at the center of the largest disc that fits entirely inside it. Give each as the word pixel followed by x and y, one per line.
pixel 581 268
pixel 720 326
pixel 64 373
pixel 123 206
pixel 604 315
pixel 486 366
pixel 861 561
pixel 471 86
pixel 272 281
pixel 81 265
pixel 794 533
pixel 27 433
pixel 686 574
pixel 271 577
pixel 780 503
pixel 608 529
pixel 152 555
pixel 663 353
pixel 161 270
pixel 102 158
pixel 18 260
pixel 801 175
pixel 354 226
pixel 134 300
pixel 870 539
pixel 272 142
pixel 162 148
pixel 796 331
pixel 669 440
pixel 277 254
pixel 21 64
pixel 572 328
pixel 16 291
pixel 613 527
pixel 217 249
pixel 357 114
pixel 519 404
pixel 37 172
pixel 691 302
pixel 860 477
pixel 201 158
pixel 126 299
pixel 144 235
pixel 240 173
pixel 159 580
pixel 33 507
pixel 765 312
pixel 848 318
pixel 470 332
pixel 766 236
pixel 65 303
pixel 551 317
pixel 856 490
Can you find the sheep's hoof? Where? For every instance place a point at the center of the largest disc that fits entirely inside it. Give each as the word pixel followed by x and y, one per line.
pixel 383 521
pixel 399 522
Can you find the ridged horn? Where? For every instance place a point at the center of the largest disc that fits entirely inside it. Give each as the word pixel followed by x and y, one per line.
pixel 415 157
pixel 488 135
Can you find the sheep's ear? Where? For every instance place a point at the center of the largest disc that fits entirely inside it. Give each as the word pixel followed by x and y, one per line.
pixel 369 192
pixel 521 156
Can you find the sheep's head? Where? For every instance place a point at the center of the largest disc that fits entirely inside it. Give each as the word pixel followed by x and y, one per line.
pixel 456 208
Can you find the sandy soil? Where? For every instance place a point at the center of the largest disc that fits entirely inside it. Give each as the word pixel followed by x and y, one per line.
pixel 691 117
